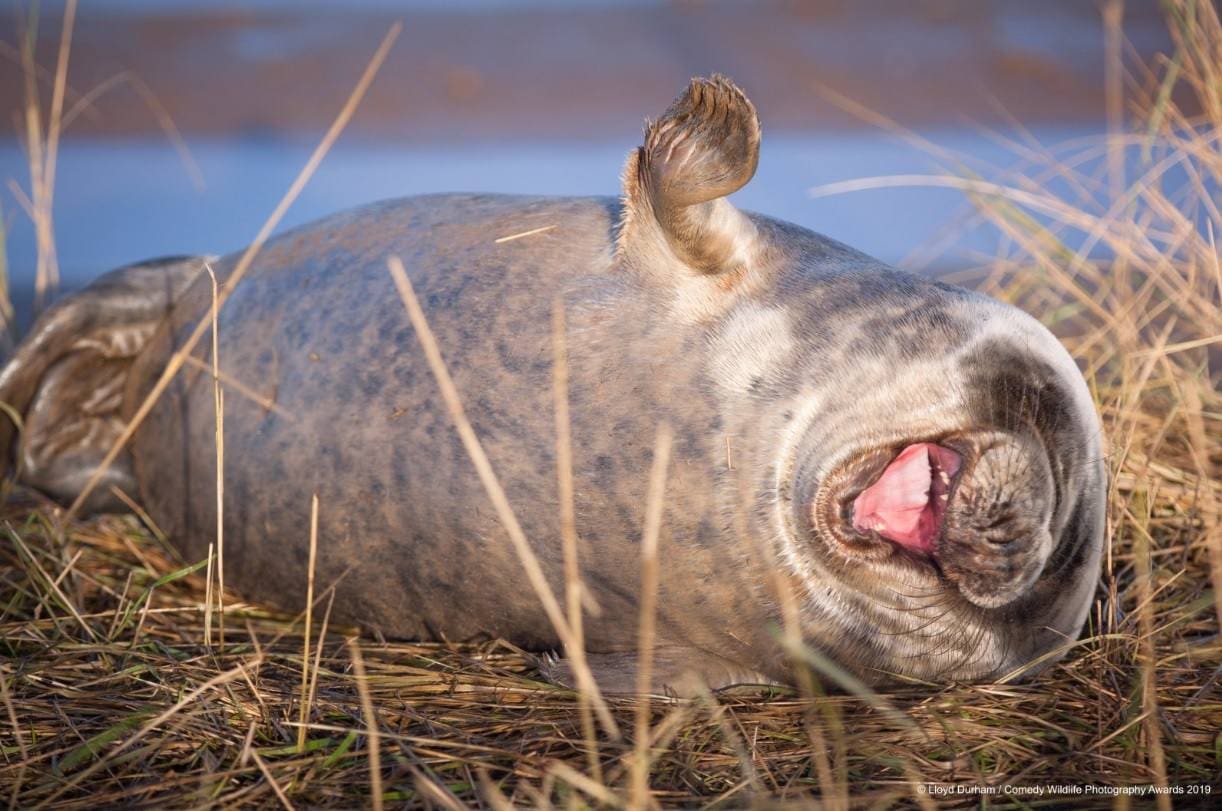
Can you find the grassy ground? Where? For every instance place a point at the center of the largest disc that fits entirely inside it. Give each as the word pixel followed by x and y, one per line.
pixel 113 695
pixel 116 688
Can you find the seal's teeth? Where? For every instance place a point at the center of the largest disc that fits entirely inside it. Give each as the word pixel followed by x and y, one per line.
pixel 944 496
pixel 945 478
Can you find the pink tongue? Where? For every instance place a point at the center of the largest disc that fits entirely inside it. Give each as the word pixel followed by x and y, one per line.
pixel 907 502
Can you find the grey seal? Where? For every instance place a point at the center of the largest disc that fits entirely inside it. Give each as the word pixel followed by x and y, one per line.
pixel 920 464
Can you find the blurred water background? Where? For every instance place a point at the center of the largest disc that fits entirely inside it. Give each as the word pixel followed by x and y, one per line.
pixel 537 97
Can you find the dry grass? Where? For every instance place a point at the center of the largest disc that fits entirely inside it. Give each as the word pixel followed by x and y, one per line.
pixel 113 693
pixel 449 714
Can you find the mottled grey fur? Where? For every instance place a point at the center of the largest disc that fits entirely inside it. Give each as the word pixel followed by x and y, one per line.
pixel 780 357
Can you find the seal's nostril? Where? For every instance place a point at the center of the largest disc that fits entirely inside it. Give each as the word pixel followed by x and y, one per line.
pixel 1004 539
pixel 1000 522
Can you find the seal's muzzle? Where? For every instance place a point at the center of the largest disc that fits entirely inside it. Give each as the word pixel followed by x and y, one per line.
pixel 972 509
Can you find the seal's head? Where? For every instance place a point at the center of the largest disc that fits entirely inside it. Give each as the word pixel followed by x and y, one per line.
pixel 976 505
pixel 957 501
pixel 926 460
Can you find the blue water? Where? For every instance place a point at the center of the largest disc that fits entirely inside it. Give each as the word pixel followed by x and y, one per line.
pixel 122 201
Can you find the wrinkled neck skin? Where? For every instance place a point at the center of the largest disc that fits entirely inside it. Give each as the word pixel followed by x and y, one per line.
pixel 809 376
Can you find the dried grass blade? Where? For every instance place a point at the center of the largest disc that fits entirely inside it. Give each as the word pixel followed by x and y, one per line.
pixel 372 735
pixel 639 794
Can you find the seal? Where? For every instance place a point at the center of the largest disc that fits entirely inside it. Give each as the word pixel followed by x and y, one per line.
pixel 920 466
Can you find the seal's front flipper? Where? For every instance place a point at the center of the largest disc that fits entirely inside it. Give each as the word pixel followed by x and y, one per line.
pixel 681 671
pixel 704 147
pixel 67 378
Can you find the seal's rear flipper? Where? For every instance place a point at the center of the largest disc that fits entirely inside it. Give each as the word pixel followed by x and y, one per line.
pixel 67 378
pixel 682 671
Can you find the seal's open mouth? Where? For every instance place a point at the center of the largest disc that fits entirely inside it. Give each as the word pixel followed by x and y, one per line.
pixel 907 502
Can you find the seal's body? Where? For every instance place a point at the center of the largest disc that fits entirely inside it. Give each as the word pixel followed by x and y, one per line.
pixel 918 466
